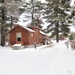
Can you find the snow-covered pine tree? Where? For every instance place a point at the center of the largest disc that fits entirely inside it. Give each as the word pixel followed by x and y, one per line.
pixel 72 16
pixel 34 7
pixel 56 12
pixel 4 18
pixel 12 11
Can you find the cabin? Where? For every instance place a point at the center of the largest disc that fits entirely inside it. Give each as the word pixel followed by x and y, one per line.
pixel 26 35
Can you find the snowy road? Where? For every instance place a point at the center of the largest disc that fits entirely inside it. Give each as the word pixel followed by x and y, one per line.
pixel 51 60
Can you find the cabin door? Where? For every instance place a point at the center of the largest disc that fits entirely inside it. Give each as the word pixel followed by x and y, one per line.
pixel 19 37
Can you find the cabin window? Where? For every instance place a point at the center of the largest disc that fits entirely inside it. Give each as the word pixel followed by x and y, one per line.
pixel 18 39
pixel 18 36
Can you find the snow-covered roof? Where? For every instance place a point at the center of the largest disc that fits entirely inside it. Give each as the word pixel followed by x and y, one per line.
pixel 42 33
pixel 27 28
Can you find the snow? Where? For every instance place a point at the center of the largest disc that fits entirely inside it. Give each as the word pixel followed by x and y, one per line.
pixel 72 28
pixel 29 29
pixel 49 34
pixel 72 3
pixel 45 24
pixel 24 19
pixel 21 7
pixel 17 45
pixel 0 4
pixel 27 23
pixel 42 33
pixel 42 60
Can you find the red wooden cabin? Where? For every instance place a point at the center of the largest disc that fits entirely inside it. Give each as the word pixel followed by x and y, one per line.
pixel 26 36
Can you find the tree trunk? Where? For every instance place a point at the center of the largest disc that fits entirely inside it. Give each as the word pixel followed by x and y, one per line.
pixel 2 37
pixel 11 22
pixel 32 12
pixel 57 32
pixel 2 28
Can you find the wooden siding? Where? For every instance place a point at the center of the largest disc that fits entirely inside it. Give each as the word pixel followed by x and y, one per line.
pixel 38 38
pixel 25 34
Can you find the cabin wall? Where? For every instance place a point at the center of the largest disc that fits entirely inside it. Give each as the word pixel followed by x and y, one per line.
pixel 25 33
pixel 37 36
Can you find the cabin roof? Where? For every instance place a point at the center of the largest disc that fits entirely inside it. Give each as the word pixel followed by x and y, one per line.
pixel 28 29
pixel 42 33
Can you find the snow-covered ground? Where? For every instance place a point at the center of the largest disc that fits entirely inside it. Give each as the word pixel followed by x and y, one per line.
pixel 42 60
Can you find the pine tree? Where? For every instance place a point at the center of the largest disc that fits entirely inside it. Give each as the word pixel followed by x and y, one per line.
pixel 56 13
pixel 12 11
pixel 4 18
pixel 35 8
pixel 72 15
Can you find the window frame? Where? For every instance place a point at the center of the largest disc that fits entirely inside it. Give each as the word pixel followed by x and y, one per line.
pixel 18 36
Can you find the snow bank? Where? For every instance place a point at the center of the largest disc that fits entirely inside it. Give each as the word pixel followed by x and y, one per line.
pixel 17 45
